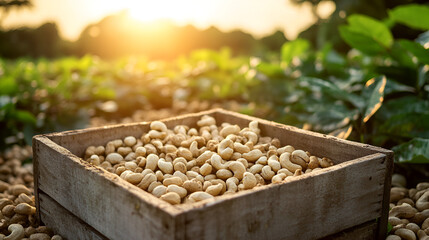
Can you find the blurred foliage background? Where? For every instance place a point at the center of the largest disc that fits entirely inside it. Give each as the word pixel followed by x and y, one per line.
pixel 361 74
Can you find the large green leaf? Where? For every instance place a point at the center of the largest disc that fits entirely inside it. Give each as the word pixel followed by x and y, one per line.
pixel 400 54
pixel 376 98
pixel 414 151
pixel 416 49
pixel 294 49
pixel 412 15
pixel 407 125
pixel 406 104
pixel 366 34
pixel 335 92
pixel 371 27
pixel 360 42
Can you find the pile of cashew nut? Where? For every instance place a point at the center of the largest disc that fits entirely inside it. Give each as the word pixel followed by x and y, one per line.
pixel 185 165
pixel 409 210
pixel 17 206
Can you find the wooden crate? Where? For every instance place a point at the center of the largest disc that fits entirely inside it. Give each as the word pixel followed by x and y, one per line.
pixel 346 201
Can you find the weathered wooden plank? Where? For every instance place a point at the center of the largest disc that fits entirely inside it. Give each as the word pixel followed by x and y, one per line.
pixel 366 231
pixel 99 198
pixel 64 222
pixel 309 207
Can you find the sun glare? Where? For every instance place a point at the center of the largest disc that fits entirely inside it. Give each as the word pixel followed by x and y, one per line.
pixel 178 11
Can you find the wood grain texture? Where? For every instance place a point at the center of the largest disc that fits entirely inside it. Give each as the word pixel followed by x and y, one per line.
pixel 366 231
pixel 64 222
pixel 311 206
pixel 102 200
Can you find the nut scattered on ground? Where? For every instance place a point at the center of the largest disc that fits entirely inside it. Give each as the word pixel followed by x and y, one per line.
pixel 409 210
pixel 17 206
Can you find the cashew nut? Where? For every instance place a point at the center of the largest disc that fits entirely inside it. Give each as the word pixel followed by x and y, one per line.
pixel 406 234
pixel 423 202
pixel 238 169
pixel 223 174
pixel 152 161
pixel 231 129
pixel 225 149
pixel 159 191
pixel 193 185
pixel 179 190
pixel 231 184
pixel 134 178
pixel 206 121
pixel 25 209
pixel 274 164
pixel 206 169
pixel 253 155
pixel 214 190
pixel 16 232
pixel 204 157
pixel 199 196
pixel 158 126
pixel 249 180
pixel 171 197
pixel 300 157
pixel 251 136
pixel 172 180
pixel 267 173
pixel 216 162
pixel 146 181
pixel 278 178
pixel 403 211
pixel 286 163
pixel 164 166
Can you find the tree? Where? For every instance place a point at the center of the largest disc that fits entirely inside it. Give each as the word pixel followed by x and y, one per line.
pixel 7 5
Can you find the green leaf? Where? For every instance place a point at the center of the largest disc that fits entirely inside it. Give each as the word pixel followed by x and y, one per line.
pixel 366 34
pixel 334 91
pixel 359 41
pixel 416 49
pixel 402 105
pixel 294 49
pixel 407 125
pixel 371 27
pixel 25 116
pixel 414 151
pixel 8 86
pixel 401 55
pixel 376 98
pixel 271 70
pixel 412 15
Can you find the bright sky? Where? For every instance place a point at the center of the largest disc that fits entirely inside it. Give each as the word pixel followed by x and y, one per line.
pixel 258 17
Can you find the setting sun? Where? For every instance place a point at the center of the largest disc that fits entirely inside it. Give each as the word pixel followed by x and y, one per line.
pixel 259 18
pixel 178 11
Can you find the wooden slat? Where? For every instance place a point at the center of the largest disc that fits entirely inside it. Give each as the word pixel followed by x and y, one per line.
pixel 64 222
pixel 99 198
pixel 366 231
pixel 310 207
